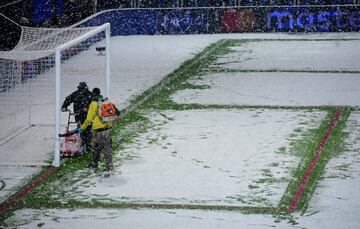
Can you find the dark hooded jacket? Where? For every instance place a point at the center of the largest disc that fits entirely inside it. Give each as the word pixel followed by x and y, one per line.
pixel 81 103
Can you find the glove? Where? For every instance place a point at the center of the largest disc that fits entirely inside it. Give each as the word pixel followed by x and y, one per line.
pixel 79 130
pixel 118 113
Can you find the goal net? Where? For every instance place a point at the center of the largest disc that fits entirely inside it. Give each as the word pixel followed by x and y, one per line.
pixel 44 67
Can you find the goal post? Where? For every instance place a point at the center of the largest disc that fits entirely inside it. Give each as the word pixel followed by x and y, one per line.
pixel 58 59
pixel 41 69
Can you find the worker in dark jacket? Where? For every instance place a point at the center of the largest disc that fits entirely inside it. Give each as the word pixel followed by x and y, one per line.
pixel 81 99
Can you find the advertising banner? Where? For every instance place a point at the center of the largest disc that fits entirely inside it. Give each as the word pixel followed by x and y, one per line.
pixel 230 20
pixel 285 19
pixel 182 21
pixel 306 19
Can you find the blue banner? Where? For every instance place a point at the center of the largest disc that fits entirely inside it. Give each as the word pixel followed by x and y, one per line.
pixel 313 19
pixel 127 22
pixel 183 21
pixel 42 11
pixel 230 20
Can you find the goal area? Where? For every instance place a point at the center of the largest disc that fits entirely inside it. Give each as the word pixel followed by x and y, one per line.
pixel 44 67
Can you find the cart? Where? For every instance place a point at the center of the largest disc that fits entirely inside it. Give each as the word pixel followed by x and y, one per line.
pixel 71 145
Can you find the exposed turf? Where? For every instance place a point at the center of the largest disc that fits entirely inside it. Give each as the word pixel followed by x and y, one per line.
pixel 307 147
pixel 229 70
pixel 157 98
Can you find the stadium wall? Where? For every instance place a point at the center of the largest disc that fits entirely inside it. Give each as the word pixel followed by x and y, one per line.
pixel 229 20
pixel 208 20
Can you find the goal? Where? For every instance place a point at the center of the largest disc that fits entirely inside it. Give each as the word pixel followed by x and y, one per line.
pixel 42 69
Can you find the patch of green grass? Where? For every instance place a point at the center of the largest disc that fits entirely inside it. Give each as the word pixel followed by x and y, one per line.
pixel 274 164
pixel 49 193
pixel 306 148
pixel 188 85
pixel 222 50
pixel 266 173
pixel 251 186
pixel 269 180
pixel 230 70
pixel 153 205
pixel 170 105
pixel 281 150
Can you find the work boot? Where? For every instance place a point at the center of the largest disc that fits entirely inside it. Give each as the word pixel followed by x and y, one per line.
pixel 108 169
pixel 92 165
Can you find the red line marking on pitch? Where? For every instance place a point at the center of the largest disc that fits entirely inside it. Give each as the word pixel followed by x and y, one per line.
pixel 315 158
pixel 27 190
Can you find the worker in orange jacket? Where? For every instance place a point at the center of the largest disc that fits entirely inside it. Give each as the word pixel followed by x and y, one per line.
pixel 101 141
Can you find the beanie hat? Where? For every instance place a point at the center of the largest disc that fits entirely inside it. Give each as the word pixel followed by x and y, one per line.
pixel 82 86
pixel 96 91
pixel 96 94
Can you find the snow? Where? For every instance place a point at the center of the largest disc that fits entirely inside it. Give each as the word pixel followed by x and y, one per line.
pixel 138 63
pixel 118 218
pixel 212 156
pixel 274 88
pixel 294 55
pixel 195 150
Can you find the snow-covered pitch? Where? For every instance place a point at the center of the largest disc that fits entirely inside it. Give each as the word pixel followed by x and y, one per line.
pixel 220 155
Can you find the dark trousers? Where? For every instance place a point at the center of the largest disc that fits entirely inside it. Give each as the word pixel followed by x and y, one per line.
pixel 101 142
pixel 86 137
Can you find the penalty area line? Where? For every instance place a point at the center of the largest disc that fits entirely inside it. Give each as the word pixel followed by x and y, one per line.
pixel 167 206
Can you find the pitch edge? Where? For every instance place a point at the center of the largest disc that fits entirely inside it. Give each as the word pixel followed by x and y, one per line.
pixel 26 190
